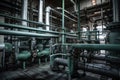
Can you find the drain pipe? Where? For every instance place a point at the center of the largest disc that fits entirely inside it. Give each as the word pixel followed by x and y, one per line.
pixel 24 12
pixel 47 20
pixel 40 14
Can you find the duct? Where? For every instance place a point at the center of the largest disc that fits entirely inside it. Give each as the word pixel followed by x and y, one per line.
pixel 19 33
pixel 24 11
pixel 110 47
pixel 47 19
pixel 40 14
pixel 113 73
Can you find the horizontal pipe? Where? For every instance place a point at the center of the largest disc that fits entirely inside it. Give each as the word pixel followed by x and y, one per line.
pixel 113 73
pixel 33 29
pixel 110 47
pixel 2 46
pixel 19 33
pixel 20 19
pixel 112 59
pixel 61 14
pixel 97 70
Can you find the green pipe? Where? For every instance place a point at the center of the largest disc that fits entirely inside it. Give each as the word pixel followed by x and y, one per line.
pixel 19 33
pixel 63 21
pixel 45 52
pixel 109 47
pixel 79 29
pixel 29 28
pixel 23 56
pixel 20 19
pixel 63 25
pixel 8 47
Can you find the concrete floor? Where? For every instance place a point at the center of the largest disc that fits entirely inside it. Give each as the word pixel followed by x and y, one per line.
pixel 41 72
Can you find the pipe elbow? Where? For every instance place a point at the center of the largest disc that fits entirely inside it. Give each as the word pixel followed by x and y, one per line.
pixel 48 8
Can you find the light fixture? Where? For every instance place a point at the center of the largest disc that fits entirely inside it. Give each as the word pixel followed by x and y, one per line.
pixel 93 2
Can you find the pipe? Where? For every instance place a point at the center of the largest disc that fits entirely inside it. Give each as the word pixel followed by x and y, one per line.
pixel 67 12
pixel 102 71
pixel 24 11
pixel 47 19
pixel 116 13
pixel 40 14
pixel 33 29
pixel 24 20
pixel 112 59
pixel 19 33
pixel 64 15
pixel 79 29
pixel 110 47
pixel 2 46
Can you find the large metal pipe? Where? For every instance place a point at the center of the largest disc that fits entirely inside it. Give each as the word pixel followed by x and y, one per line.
pixel 113 73
pixel 87 67
pixel 114 60
pixel 24 11
pixel 47 19
pixel 110 47
pixel 40 13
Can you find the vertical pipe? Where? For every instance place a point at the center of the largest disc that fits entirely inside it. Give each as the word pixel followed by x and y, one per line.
pixel 116 11
pixel 63 21
pixel 63 25
pixel 40 14
pixel 102 15
pixel 78 5
pixel 24 12
pixel 47 20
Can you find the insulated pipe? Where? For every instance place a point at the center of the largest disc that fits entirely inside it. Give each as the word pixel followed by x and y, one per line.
pixel 114 60
pixel 24 11
pixel 40 13
pixel 47 19
pixel 101 71
pixel 110 47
